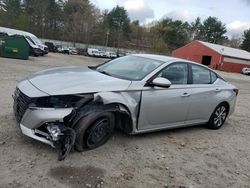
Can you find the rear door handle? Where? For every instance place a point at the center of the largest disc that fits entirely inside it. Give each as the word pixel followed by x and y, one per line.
pixel 185 95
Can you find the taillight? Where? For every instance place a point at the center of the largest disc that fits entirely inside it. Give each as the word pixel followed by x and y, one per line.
pixel 236 91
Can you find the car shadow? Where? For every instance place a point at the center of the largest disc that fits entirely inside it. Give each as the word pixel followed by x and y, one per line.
pixel 119 140
pixel 165 132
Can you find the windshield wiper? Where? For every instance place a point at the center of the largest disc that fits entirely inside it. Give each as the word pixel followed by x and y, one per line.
pixel 104 72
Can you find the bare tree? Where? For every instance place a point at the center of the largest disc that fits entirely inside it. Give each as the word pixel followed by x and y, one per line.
pixel 2 6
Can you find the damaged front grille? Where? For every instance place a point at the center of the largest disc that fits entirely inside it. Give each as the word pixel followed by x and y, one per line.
pixel 21 103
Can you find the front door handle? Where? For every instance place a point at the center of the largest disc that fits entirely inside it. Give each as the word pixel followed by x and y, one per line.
pixel 185 95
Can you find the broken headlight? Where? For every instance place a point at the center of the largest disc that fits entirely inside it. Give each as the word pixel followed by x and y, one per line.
pixel 62 101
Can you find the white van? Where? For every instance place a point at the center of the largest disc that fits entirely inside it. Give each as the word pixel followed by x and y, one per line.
pixel 93 52
pixel 32 38
pixel 34 49
pixel 111 55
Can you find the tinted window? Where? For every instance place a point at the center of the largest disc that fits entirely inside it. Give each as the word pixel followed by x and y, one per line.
pixel 200 75
pixel 176 73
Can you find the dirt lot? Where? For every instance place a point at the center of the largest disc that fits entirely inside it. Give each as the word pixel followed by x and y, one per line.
pixel 189 157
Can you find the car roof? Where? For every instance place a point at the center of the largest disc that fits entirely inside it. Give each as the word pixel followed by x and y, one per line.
pixel 157 57
pixel 169 59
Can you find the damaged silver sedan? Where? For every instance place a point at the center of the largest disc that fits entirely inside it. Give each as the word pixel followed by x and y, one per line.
pixel 81 106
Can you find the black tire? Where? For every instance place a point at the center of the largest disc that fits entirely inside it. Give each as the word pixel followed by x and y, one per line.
pixel 94 130
pixel 218 116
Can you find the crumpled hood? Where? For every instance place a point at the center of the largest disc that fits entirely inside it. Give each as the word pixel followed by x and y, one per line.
pixel 75 80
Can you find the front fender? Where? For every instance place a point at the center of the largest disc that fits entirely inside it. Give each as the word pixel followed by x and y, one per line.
pixel 124 102
pixel 131 100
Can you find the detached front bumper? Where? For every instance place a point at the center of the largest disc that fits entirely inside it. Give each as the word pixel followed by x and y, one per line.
pixel 46 125
pixel 34 121
pixel 43 124
pixel 34 117
pixel 33 134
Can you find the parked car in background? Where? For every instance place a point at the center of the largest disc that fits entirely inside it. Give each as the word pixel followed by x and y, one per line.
pixel 73 51
pixel 51 46
pixel 111 55
pixel 82 106
pixel 34 49
pixel 42 46
pixel 121 54
pixel 62 49
pixel 82 51
pixel 59 48
pixel 246 71
pixel 93 52
pixel 102 54
pixel 65 50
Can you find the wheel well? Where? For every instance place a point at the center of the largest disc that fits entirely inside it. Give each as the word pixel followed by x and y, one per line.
pixel 123 119
pixel 123 122
pixel 226 104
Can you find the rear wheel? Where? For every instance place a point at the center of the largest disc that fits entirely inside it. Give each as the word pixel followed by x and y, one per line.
pixel 94 130
pixel 218 117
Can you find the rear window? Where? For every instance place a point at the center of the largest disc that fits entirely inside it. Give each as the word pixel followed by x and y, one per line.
pixel 213 77
pixel 200 75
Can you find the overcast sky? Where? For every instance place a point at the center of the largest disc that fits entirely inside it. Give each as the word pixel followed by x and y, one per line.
pixel 234 13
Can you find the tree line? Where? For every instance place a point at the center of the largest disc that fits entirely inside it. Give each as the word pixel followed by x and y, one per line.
pixel 81 21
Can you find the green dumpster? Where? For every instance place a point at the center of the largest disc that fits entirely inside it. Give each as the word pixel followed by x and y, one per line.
pixel 14 47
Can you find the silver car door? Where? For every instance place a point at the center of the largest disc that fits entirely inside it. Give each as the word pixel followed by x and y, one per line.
pixel 166 107
pixel 204 95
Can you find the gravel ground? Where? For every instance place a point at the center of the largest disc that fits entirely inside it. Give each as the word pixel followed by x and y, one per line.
pixel 188 157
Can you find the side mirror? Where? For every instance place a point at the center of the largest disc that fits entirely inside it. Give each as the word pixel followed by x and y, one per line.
pixel 161 82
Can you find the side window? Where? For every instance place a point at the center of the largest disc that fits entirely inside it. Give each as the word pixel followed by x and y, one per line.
pixel 213 77
pixel 176 73
pixel 200 75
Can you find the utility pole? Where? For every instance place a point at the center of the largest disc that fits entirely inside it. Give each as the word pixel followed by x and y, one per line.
pixel 220 61
pixel 107 38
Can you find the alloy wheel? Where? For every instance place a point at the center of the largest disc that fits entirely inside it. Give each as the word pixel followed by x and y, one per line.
pixel 220 116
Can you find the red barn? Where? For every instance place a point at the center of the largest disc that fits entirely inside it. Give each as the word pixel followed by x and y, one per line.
pixel 214 55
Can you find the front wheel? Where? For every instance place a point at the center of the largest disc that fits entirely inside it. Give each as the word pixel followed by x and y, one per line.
pixel 94 130
pixel 218 117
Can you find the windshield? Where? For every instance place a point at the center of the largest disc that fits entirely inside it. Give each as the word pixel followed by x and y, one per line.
pixel 129 67
pixel 29 39
pixel 31 42
pixel 36 40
